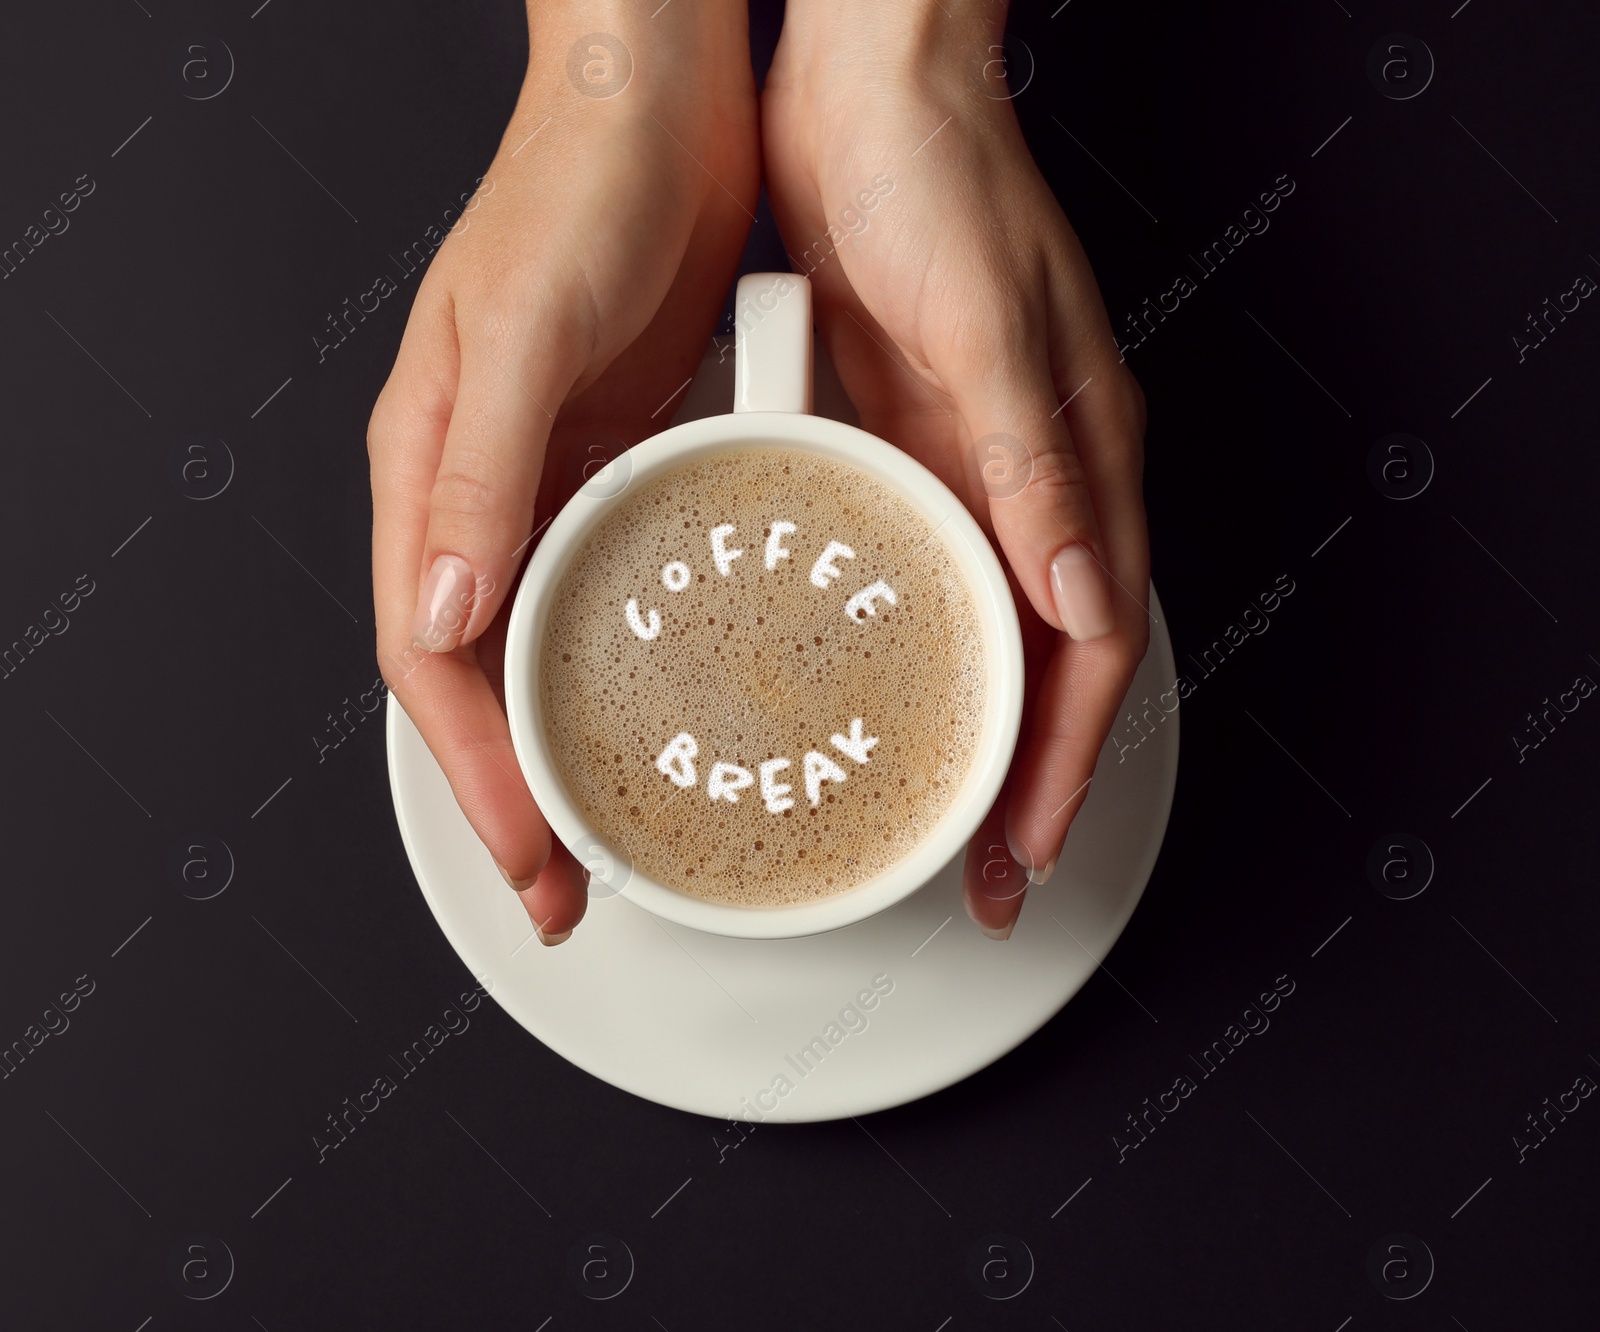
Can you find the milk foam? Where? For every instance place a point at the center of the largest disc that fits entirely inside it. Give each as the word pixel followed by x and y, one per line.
pixel 763 677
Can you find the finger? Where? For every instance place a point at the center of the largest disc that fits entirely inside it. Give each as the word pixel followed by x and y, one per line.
pixel 448 697
pixel 480 507
pixel 992 882
pixel 1104 410
pixel 1081 690
pixel 1048 527
pixel 1105 413
pixel 556 900
pixel 1084 683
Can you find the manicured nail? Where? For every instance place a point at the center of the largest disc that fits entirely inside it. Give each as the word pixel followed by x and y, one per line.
pixel 1083 601
pixel 551 940
pixel 1007 886
pixel 1019 853
pixel 516 885
pixel 445 604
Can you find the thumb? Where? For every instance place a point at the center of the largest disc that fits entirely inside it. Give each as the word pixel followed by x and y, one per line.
pixel 480 509
pixel 1039 496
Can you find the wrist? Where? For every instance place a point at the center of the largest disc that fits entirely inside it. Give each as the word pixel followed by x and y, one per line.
pixel 929 43
pixel 602 49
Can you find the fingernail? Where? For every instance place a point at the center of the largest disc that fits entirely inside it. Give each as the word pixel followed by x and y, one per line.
pixel 1020 854
pixel 444 605
pixel 551 940
pixel 1007 888
pixel 516 885
pixel 1078 586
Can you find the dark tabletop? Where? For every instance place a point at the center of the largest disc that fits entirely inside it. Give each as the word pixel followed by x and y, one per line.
pixel 1385 809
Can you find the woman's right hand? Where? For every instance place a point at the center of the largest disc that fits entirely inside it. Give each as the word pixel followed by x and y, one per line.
pixel 571 303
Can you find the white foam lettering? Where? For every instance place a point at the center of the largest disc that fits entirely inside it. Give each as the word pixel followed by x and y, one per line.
pixel 855 744
pixel 775 794
pixel 645 629
pixel 819 768
pixel 864 599
pixel 674 761
pixel 725 780
pixel 776 550
pixel 825 570
pixel 719 548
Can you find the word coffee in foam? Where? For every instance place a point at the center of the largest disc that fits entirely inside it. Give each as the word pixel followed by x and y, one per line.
pixel 764 675
pixel 675 576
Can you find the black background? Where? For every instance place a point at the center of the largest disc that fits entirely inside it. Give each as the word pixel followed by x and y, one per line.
pixel 1393 1082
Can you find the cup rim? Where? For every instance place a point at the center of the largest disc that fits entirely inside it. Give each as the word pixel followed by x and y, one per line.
pixel 1002 636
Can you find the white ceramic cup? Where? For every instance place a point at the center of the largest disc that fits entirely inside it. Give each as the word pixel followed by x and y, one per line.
pixel 772 406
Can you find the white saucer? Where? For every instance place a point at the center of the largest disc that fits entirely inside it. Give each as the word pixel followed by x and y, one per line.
pixel 710 1025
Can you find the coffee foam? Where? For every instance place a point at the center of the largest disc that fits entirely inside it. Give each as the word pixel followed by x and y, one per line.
pixel 743 668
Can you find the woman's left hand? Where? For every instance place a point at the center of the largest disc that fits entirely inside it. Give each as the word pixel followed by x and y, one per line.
pixel 967 327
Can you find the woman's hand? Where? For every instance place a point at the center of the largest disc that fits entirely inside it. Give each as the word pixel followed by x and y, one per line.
pixel 967 328
pixel 573 298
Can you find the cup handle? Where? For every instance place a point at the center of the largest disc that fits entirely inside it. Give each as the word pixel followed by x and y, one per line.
pixel 772 343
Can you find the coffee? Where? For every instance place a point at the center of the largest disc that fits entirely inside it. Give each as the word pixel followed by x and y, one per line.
pixel 762 677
